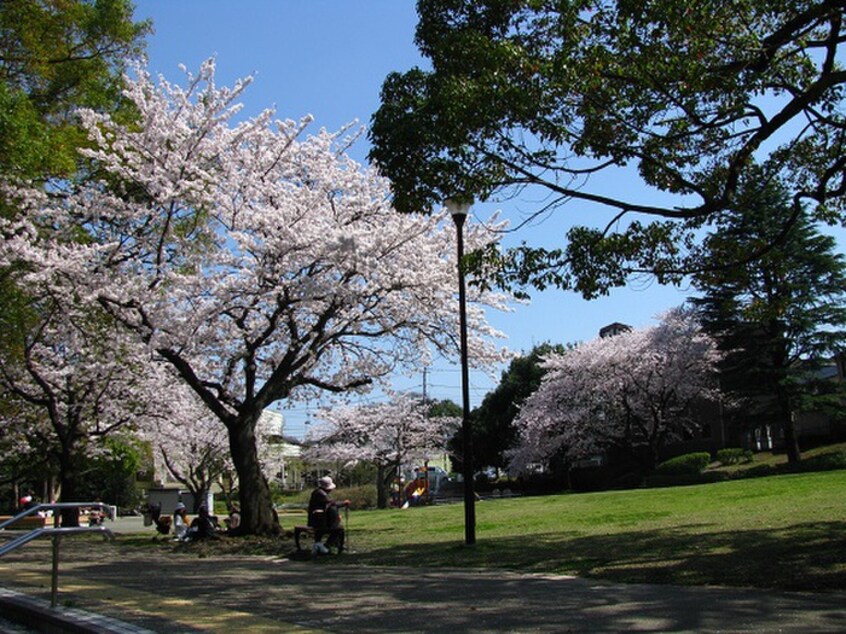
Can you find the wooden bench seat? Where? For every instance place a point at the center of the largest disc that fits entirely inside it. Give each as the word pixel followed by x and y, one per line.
pixel 27 523
pixel 299 531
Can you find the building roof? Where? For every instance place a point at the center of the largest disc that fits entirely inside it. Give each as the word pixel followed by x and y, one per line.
pixel 613 329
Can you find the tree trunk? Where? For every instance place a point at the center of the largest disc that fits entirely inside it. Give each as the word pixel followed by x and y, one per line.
pixel 68 486
pixel 381 492
pixel 200 496
pixel 257 514
pixel 791 438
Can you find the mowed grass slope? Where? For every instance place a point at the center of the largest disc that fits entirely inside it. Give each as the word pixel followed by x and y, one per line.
pixel 785 532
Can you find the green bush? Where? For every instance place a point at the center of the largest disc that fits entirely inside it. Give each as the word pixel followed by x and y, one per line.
pixel 823 462
pixel 360 497
pixel 758 471
pixel 292 497
pixel 734 455
pixel 688 464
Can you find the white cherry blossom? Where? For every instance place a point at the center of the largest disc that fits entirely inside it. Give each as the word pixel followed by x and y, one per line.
pixel 260 263
pixel 636 391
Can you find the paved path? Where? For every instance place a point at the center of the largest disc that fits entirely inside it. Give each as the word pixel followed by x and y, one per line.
pixel 183 593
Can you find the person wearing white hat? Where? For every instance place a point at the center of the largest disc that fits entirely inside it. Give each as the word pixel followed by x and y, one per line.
pixel 180 521
pixel 325 519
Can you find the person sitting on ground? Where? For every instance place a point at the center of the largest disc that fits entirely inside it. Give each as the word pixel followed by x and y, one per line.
pixel 180 521
pixel 203 526
pixel 325 519
pixel 153 515
pixel 234 520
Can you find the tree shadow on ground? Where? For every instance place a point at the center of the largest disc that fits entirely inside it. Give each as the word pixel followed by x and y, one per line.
pixel 809 556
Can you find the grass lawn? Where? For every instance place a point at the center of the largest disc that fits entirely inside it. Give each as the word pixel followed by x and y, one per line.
pixel 786 531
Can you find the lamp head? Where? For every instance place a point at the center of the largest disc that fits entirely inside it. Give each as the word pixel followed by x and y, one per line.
pixel 458 206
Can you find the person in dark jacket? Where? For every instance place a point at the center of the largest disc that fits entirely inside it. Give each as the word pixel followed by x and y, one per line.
pixel 203 526
pixel 324 518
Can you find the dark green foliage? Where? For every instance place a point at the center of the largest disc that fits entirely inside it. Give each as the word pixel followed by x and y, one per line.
pixel 657 480
pixel 826 461
pixel 779 316
pixel 492 421
pixel 758 471
pixel 687 464
pixel 363 472
pixel 55 56
pixel 545 93
pixel 111 477
pixel 360 497
pixel 733 455
pixel 445 407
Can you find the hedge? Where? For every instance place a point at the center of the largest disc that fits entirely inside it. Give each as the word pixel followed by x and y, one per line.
pixel 687 464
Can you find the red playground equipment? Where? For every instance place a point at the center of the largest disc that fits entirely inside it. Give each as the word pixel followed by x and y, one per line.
pixel 417 491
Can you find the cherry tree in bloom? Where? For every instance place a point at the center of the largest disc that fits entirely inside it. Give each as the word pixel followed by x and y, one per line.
pixel 21 459
pixel 634 391
pixel 188 444
pixel 260 263
pixel 192 447
pixel 75 378
pixel 387 434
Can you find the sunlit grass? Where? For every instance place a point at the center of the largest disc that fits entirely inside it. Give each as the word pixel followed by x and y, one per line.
pixel 782 532
pixel 785 532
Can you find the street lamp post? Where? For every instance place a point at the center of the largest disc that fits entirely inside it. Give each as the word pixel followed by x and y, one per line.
pixel 458 209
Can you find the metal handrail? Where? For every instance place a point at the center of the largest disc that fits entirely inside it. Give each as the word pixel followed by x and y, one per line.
pixel 20 540
pixel 57 506
pixel 55 533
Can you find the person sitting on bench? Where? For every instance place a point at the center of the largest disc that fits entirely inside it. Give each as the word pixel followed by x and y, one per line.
pixel 324 518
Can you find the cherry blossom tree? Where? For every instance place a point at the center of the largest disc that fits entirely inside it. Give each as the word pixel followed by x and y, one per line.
pixel 20 460
pixel 76 378
pixel 192 447
pixel 260 263
pixel 634 391
pixel 387 434
pixel 189 445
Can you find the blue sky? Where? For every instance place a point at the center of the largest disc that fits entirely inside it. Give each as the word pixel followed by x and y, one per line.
pixel 328 58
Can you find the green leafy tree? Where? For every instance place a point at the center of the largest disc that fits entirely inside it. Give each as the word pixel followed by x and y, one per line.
pixel 548 93
pixel 111 474
pixel 445 408
pixel 780 317
pixel 55 56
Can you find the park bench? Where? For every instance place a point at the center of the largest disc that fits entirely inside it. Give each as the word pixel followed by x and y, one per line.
pixel 299 531
pixel 28 523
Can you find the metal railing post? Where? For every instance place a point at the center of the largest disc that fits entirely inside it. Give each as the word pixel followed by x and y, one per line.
pixel 55 533
pixel 54 582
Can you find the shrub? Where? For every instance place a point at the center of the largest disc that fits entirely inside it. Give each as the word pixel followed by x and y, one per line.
pixel 758 471
pixel 360 497
pixel 734 455
pixel 823 462
pixel 299 497
pixel 688 464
